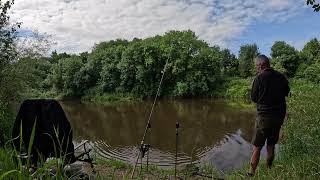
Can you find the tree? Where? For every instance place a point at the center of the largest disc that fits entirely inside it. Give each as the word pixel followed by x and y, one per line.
pixel 8 53
pixel 247 54
pixel 9 83
pixel 55 57
pixel 311 51
pixel 194 67
pixel 229 63
pixel 131 59
pixel 285 56
pixel 314 4
pixel 110 73
pixel 36 45
pixel 33 72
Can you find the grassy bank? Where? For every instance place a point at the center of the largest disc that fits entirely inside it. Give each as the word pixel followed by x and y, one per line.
pixel 110 98
pixel 104 169
pixel 113 169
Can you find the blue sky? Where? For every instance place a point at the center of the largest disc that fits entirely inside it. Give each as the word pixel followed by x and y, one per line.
pixel 76 25
pixel 296 31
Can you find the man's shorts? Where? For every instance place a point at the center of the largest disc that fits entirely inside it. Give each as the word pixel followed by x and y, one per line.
pixel 271 135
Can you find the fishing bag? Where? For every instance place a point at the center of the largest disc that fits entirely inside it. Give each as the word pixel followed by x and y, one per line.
pixel 52 135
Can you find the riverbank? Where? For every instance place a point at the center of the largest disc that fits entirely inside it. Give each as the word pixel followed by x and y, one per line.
pixel 113 169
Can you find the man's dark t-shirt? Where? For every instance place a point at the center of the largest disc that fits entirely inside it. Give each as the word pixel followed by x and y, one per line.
pixel 269 90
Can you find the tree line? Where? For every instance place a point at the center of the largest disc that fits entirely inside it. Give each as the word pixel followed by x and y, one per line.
pixel 193 67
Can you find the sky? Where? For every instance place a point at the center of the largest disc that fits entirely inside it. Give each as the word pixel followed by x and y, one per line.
pixel 76 25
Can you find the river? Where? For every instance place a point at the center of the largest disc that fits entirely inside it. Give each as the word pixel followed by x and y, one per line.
pixel 211 132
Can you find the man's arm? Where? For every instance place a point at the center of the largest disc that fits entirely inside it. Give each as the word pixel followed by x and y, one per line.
pixel 254 90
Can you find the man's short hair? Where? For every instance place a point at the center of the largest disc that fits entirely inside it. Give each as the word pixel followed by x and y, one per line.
pixel 263 59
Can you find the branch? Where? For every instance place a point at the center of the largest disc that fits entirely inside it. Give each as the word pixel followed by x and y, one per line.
pixel 315 5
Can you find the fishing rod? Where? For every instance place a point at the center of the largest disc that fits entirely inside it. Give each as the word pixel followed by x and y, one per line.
pixel 177 140
pixel 144 148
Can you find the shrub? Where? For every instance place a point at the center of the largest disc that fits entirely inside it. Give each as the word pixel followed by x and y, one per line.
pixel 6 122
pixel 312 73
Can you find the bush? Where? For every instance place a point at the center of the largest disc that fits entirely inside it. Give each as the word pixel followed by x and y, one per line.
pixel 300 71
pixel 235 89
pixel 6 122
pixel 312 73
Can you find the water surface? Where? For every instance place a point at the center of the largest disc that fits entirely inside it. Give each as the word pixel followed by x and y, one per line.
pixel 211 132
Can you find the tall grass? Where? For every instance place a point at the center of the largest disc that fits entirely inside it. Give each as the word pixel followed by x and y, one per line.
pixel 12 165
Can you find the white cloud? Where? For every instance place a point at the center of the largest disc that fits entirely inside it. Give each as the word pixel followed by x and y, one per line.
pixel 78 24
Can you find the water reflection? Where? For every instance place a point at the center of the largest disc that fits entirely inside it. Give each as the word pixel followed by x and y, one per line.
pixel 210 132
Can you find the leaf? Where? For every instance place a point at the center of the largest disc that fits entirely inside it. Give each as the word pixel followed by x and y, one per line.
pixel 9 172
pixel 31 141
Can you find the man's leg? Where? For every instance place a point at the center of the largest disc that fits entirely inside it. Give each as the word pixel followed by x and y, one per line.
pixel 270 155
pixel 258 142
pixel 255 158
pixel 272 139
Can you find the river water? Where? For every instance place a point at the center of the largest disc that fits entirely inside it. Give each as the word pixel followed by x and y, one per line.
pixel 211 132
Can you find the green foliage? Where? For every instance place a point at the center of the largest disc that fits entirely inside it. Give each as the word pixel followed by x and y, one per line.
pixel 55 57
pixel 310 55
pixel 6 161
pixel 277 65
pixel 6 121
pixel 235 88
pixel 312 73
pixel 247 54
pixel 110 58
pixel 110 98
pixel 136 67
pixel 67 77
pixel 285 57
pixel 8 53
pixel 311 52
pixel 7 35
pixel 300 71
pixel 314 5
pixel 33 72
pixel 281 48
pixel 229 63
pixel 116 164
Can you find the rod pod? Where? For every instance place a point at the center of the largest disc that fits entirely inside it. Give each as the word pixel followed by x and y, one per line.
pixel 144 149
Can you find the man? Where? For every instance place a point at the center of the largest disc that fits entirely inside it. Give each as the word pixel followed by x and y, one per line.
pixel 269 90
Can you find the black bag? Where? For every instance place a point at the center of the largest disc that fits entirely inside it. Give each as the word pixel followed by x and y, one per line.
pixel 53 133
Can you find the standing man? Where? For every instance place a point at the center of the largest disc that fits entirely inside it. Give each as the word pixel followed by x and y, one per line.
pixel 269 90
